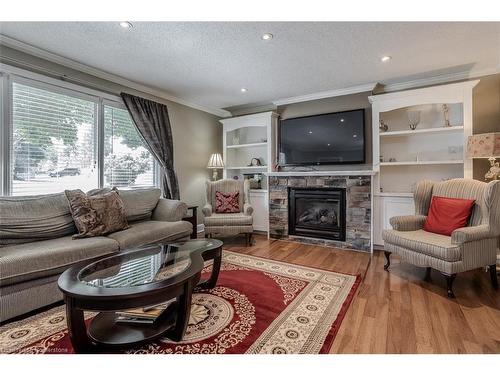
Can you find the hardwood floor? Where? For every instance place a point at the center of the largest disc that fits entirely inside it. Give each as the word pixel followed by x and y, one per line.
pixel 396 311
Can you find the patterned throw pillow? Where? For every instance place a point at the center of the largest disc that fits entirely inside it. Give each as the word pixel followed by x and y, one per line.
pixel 96 215
pixel 227 203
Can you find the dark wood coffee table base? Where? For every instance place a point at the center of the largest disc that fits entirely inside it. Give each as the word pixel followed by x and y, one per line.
pixel 104 334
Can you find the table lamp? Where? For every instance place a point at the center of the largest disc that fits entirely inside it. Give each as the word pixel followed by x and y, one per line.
pixel 215 163
pixel 486 146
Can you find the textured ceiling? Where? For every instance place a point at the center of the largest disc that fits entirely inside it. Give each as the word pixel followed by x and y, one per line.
pixel 208 62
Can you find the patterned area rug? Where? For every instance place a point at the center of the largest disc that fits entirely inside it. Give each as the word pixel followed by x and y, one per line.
pixel 258 306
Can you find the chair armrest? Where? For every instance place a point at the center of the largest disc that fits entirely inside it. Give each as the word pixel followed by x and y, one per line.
pixel 247 209
pixel 408 223
pixel 207 210
pixel 169 210
pixel 468 234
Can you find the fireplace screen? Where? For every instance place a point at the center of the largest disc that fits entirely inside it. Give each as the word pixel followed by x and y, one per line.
pixel 317 213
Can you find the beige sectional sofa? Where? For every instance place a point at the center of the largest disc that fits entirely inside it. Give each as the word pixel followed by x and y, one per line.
pixel 36 243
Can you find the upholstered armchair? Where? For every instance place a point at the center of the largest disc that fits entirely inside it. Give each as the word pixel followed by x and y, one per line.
pixel 471 247
pixel 228 224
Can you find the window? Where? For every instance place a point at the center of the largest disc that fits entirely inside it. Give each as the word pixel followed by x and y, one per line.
pixel 53 142
pixel 126 161
pixel 60 138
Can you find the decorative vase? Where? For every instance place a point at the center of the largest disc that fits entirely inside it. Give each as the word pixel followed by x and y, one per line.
pixel 413 119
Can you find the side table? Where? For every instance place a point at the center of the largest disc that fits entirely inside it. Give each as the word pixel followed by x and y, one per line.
pixel 193 219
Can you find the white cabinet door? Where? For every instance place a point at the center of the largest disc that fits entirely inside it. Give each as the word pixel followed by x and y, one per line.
pixel 258 200
pixel 387 208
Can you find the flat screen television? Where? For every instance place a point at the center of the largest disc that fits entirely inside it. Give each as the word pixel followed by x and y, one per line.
pixel 331 138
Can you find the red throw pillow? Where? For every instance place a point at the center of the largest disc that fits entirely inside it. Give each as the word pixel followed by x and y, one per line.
pixel 227 203
pixel 448 214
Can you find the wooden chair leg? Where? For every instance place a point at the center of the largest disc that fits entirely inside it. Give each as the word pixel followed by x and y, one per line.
pixel 387 260
pixel 493 275
pixel 449 284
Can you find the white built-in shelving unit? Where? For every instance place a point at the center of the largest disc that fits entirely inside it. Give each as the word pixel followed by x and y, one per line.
pixel 245 138
pixel 402 157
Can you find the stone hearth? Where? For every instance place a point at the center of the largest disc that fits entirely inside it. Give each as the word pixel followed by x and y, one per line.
pixel 358 207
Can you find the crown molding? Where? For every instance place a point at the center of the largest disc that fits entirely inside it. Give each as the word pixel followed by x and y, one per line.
pixel 325 94
pixel 434 80
pixel 52 57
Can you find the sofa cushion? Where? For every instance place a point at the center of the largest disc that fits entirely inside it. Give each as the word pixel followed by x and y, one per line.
pixel 139 203
pixel 447 214
pixel 146 232
pixel 432 244
pixel 96 215
pixel 228 219
pixel 44 258
pixel 34 218
pixel 227 203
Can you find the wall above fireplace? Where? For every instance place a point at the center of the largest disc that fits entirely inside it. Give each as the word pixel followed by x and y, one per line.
pixel 358 205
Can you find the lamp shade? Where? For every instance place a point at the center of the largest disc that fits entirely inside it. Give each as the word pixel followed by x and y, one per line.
pixel 485 145
pixel 215 162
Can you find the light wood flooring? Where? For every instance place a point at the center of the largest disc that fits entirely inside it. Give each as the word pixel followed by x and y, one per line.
pixel 397 311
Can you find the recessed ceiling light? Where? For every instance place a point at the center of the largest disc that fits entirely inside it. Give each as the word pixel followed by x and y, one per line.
pixel 328 144
pixel 355 136
pixel 126 24
pixel 310 132
pixel 385 58
pixel 342 120
pixel 243 89
pixel 267 36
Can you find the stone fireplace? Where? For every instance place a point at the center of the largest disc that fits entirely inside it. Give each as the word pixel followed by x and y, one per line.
pixel 327 208
pixel 317 213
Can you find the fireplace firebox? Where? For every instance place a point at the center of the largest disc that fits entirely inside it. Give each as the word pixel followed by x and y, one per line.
pixel 318 213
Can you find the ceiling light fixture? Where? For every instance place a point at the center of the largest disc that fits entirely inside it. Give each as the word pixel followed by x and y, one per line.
pixel 243 89
pixel 310 132
pixel 385 58
pixel 342 120
pixel 267 36
pixel 126 24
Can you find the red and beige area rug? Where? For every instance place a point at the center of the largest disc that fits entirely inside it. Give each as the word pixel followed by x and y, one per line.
pixel 258 306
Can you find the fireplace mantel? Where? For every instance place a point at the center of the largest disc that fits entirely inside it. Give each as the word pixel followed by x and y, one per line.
pixel 362 172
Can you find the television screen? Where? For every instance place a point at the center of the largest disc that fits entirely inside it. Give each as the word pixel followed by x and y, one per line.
pixel 332 138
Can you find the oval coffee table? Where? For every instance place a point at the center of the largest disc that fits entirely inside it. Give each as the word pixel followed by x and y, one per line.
pixel 141 277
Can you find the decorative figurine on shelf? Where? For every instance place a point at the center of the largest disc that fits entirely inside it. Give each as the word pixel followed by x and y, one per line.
pixel 382 126
pixel 255 162
pixel 446 115
pixel 413 119
pixel 255 180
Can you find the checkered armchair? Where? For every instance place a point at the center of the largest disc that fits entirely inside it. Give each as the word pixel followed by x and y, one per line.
pixel 467 248
pixel 228 224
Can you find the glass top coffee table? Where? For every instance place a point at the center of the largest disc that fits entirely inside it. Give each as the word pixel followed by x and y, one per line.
pixel 131 279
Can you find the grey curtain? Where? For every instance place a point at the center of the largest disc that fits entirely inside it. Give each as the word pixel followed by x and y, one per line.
pixel 153 124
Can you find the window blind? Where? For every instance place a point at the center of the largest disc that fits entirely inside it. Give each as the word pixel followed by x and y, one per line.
pixel 53 141
pixel 126 161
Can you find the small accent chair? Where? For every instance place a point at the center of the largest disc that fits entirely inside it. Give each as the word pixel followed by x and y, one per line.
pixel 228 224
pixel 467 248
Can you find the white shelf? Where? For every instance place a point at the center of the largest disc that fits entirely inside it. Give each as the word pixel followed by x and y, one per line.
pixel 248 145
pixel 433 162
pixel 422 131
pixel 246 167
pixel 389 194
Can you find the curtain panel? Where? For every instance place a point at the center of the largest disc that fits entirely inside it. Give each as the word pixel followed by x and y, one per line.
pixel 152 122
